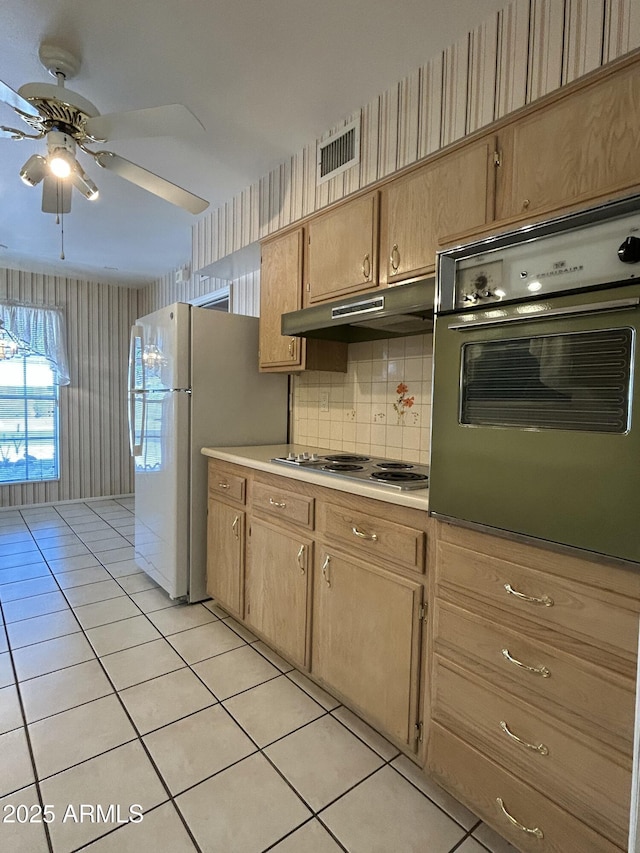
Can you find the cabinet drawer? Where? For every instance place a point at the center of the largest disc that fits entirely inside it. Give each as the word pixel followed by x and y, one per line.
pixel 589 780
pixel 283 504
pixel 392 543
pixel 230 485
pixel 585 696
pixel 531 597
pixel 493 793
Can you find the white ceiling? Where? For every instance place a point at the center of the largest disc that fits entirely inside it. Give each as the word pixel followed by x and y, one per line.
pixel 265 78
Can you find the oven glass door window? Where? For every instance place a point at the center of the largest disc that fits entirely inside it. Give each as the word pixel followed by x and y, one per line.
pixel 574 381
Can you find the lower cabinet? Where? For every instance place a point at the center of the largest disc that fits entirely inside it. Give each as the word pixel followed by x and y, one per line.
pixel 366 640
pixel 225 554
pixel 531 690
pixel 276 587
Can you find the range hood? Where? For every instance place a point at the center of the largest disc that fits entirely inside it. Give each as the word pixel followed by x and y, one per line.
pixel 391 312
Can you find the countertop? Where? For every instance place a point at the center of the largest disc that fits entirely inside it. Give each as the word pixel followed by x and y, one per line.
pixel 259 457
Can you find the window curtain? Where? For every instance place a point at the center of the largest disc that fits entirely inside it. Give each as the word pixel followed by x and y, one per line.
pixel 43 331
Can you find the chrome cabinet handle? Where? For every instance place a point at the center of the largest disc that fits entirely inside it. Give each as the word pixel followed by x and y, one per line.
pixel 366 266
pixel 325 570
pixel 300 558
pixel 234 526
pixel 526 203
pixel 372 537
pixel 548 602
pixel 223 485
pixel 530 831
pixel 536 670
pixel 539 747
pixel 292 346
pixel 395 258
pixel 278 504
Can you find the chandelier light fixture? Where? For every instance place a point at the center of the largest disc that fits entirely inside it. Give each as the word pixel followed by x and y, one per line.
pixel 10 345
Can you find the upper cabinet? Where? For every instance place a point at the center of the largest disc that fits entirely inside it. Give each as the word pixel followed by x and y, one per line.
pixel 342 255
pixel 577 147
pixel 281 292
pixel 431 205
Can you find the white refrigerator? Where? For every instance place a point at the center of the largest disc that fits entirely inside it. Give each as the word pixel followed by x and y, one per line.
pixel 193 382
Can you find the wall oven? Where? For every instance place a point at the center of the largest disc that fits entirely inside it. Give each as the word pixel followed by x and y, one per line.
pixel 536 399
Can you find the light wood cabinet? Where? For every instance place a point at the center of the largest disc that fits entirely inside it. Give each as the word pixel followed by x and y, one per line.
pixel 279 565
pixel 225 554
pixel 531 821
pixel 532 679
pixel 423 210
pixel 280 293
pixel 342 256
pixel 366 640
pixel 335 583
pixel 577 147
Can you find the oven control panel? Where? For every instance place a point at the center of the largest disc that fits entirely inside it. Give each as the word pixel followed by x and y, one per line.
pixel 534 266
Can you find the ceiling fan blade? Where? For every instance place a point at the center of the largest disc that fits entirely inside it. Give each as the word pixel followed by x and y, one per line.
pixel 172 120
pixel 9 96
pixel 56 195
pixel 11 133
pixel 150 182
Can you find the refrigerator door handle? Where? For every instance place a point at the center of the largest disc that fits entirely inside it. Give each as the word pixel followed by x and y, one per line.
pixel 136 448
pixel 136 335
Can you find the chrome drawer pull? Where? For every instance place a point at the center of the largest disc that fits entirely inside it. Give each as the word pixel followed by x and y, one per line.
pixel 300 558
pixel 540 747
pixel 536 670
pixel 548 602
pixel 280 505
pixel 370 536
pixel 234 526
pixel 223 485
pixel 325 570
pixel 536 829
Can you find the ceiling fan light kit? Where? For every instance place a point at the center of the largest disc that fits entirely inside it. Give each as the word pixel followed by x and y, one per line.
pixel 34 170
pixel 68 121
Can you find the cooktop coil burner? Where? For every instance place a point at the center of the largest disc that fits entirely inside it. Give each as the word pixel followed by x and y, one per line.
pixel 399 476
pixel 385 473
pixel 342 466
pixel 345 457
pixel 394 466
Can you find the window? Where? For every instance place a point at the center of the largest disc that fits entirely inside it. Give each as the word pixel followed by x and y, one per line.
pixel 29 449
pixel 33 364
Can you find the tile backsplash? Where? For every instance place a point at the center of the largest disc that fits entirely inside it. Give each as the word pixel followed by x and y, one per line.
pixel 380 406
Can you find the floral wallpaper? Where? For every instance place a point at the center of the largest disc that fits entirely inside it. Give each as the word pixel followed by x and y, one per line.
pixel 381 406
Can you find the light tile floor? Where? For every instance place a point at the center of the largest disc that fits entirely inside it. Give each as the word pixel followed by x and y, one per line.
pixel 116 701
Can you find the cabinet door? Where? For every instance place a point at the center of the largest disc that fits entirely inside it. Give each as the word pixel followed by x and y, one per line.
pixel 225 554
pixel 365 642
pixel 343 250
pixel 429 206
pixel 277 578
pixel 583 147
pixel 280 292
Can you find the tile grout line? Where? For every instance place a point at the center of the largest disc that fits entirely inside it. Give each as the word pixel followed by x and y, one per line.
pixel 138 738
pixel 25 728
pixel 260 750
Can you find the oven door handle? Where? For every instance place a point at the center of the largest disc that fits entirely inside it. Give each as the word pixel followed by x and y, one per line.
pixel 589 308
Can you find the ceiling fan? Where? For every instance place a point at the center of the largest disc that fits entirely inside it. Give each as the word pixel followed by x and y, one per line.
pixel 68 122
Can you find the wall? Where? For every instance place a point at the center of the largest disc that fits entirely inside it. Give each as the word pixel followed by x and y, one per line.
pixel 245 292
pixel 521 53
pixel 381 406
pixel 94 452
pixel 525 51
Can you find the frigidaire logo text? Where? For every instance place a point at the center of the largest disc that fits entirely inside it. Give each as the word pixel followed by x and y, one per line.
pixel 560 268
